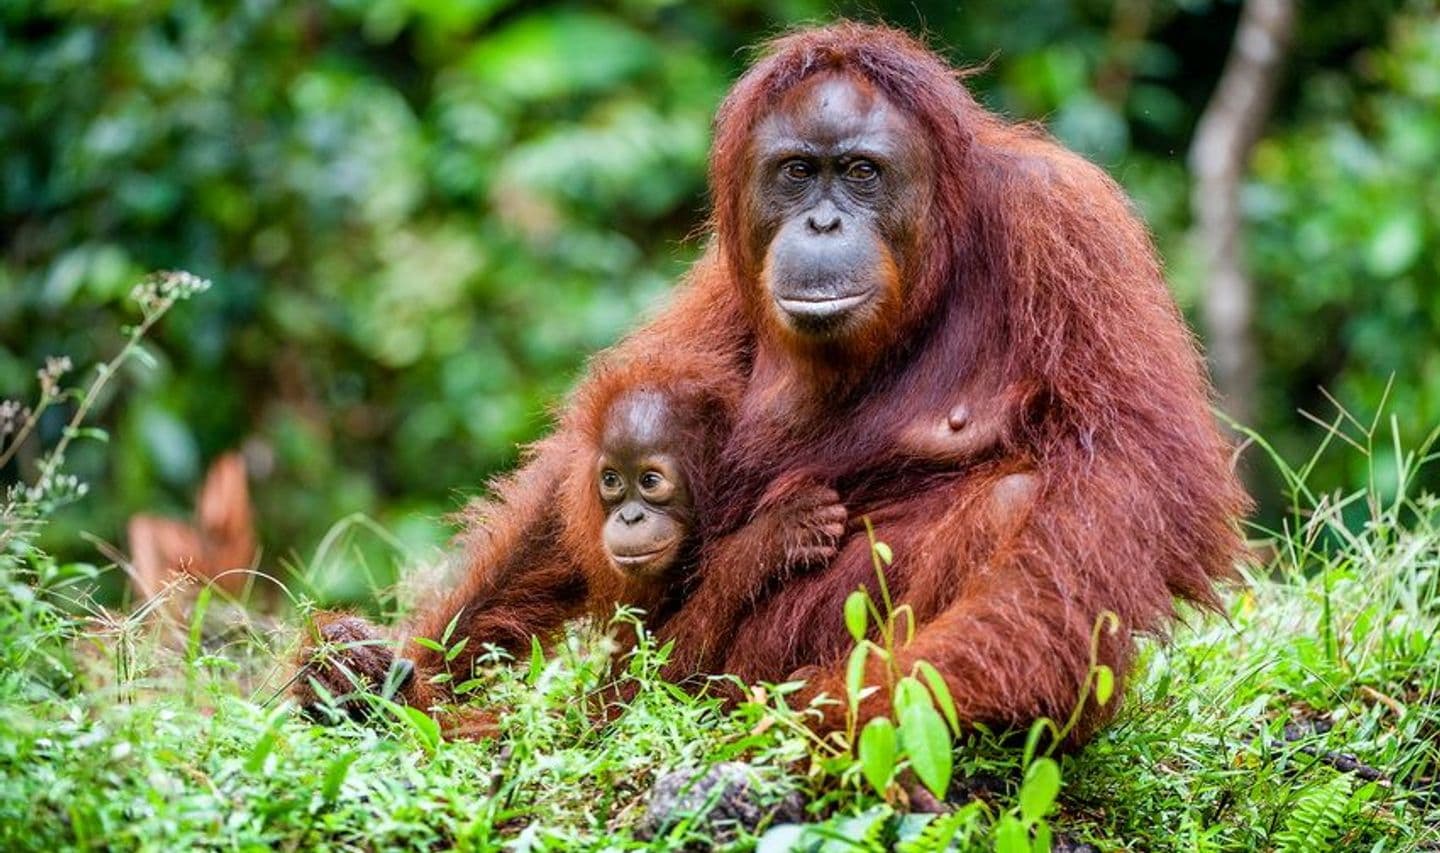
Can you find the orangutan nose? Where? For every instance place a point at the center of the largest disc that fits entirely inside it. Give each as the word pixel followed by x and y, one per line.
pixel 824 219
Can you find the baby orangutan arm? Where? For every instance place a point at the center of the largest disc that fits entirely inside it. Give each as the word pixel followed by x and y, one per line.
pixel 344 658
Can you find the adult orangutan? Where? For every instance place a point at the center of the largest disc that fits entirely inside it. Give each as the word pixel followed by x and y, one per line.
pixel 891 268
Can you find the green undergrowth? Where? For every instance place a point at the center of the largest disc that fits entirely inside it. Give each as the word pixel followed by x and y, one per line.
pixel 1305 718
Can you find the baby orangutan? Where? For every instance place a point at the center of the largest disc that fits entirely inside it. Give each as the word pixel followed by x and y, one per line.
pixel 629 528
pixel 652 473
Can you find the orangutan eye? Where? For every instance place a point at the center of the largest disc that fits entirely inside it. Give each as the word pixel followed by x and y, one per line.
pixel 651 480
pixel 797 170
pixel 861 170
pixel 610 481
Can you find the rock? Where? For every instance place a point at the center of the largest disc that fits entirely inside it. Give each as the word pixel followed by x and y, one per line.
pixel 722 800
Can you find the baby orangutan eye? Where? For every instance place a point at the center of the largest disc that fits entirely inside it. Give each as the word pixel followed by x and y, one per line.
pixel 610 481
pixel 651 480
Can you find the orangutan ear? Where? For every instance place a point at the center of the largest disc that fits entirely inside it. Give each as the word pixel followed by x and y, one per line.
pixel 226 519
pixel 221 540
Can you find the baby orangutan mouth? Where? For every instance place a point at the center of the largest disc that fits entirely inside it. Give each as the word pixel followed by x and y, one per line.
pixel 645 563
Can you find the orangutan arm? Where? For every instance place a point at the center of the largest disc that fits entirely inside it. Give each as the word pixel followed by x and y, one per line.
pixel 516 581
pixel 796 527
pixel 1015 645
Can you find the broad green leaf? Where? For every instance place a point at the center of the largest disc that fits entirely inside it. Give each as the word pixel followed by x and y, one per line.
pixel 1043 839
pixel 941 692
pixel 1104 684
pixel 559 53
pixel 782 838
pixel 421 724
pixel 1041 787
pixel 927 743
pixel 879 749
pixel 430 644
pixel 424 725
pixel 1396 244
pixel 910 693
pixel 882 549
pixel 855 614
pixel 1010 836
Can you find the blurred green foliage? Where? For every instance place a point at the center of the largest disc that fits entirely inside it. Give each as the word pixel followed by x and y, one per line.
pixel 421 215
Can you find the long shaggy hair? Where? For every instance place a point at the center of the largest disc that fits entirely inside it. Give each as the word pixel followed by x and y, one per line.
pixel 1034 296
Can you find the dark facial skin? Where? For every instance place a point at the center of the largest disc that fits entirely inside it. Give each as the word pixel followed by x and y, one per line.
pixel 839 183
pixel 648 505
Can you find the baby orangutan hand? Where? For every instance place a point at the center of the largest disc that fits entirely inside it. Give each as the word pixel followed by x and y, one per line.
pixel 807 521
pixel 344 659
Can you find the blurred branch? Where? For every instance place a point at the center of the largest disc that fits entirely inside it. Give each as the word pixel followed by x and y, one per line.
pixel 1219 155
pixel 1128 29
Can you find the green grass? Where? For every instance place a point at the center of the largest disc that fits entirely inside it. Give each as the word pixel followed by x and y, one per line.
pixel 114 734
pixel 130 731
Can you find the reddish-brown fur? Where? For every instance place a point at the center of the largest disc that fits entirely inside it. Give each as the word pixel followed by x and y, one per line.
pixel 796 525
pixel 1034 291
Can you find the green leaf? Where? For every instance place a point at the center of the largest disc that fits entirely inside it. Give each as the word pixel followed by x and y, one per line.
pixel 197 622
pixel 941 691
pixel 1041 787
pixel 449 629
pixel 266 742
pixel 879 749
pixel 424 726
pixel 421 724
pixel 910 693
pixel 927 742
pixel 882 549
pixel 782 838
pixel 1104 684
pixel 1162 687
pixel 537 659
pixel 1396 244
pixel 95 433
pixel 1043 840
pixel 855 614
pixel 456 649
pixel 1010 836
pixel 430 644
pixel 335 775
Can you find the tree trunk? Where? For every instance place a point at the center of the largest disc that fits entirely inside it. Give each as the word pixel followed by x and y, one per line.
pixel 1219 155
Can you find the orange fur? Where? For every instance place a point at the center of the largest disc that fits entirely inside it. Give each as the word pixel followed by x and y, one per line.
pixel 1033 292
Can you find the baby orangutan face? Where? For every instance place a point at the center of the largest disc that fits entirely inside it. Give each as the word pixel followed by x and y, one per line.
pixel 647 501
